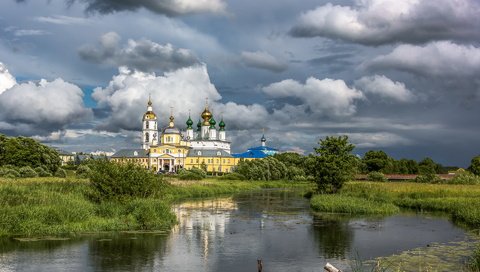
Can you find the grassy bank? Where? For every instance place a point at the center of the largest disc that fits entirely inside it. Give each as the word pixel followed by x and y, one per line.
pixel 57 206
pixel 460 201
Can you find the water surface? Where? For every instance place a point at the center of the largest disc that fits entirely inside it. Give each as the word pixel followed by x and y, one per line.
pixel 230 234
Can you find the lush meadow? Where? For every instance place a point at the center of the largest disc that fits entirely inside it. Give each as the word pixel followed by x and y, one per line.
pixel 462 202
pixel 51 206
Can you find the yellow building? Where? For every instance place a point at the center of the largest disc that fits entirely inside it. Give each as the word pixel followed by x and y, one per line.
pixel 214 161
pixel 207 147
pixel 138 156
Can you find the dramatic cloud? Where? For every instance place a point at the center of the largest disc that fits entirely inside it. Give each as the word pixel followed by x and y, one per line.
pixel 434 59
pixel 327 96
pixel 143 55
pixel 30 108
pixel 377 139
pixel 6 79
pixel 181 90
pixel 166 7
pixel 385 88
pixel 63 20
pixel 376 22
pixel 263 60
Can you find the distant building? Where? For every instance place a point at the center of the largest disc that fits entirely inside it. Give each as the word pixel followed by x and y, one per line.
pixel 257 152
pixel 174 149
pixel 66 157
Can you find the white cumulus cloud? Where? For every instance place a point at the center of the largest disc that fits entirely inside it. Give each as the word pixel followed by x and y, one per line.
pixel 375 22
pixel 6 79
pixel 41 108
pixel 327 96
pixel 441 58
pixel 385 87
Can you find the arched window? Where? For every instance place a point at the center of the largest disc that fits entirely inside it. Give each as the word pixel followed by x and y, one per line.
pixel 146 124
pixel 199 153
pixel 219 153
pixel 147 138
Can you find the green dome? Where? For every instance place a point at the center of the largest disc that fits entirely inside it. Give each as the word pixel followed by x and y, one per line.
pixel 199 125
pixel 222 125
pixel 189 123
pixel 212 122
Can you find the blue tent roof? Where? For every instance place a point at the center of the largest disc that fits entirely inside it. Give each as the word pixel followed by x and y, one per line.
pixel 258 152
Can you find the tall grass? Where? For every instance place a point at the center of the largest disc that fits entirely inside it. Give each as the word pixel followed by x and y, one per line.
pixel 460 201
pixel 63 206
pixel 350 205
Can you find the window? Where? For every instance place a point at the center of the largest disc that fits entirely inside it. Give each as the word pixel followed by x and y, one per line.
pixel 191 160
pixel 223 160
pixel 146 124
pixel 179 151
pixel 197 160
pixel 218 161
pixel 228 160
pixel 147 139
pixel 199 153
pixel 219 153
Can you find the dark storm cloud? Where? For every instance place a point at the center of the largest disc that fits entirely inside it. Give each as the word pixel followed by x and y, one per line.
pixel 391 21
pixel 263 60
pixel 166 7
pixel 143 55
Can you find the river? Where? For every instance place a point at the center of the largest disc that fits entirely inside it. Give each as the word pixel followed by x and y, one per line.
pixel 231 233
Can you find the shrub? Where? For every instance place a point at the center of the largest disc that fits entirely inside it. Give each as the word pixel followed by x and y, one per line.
pixel 41 172
pixel 376 176
pixel 428 178
pixel 61 173
pixel 9 173
pixel 464 178
pixel 192 174
pixel 110 180
pixel 299 178
pixel 233 176
pixel 27 172
pixel 83 171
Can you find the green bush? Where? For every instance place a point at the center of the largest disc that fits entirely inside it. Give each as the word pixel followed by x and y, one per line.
pixel 83 171
pixel 376 176
pixel 42 172
pixel 9 172
pixel 232 176
pixel 464 178
pixel 27 172
pixel 428 178
pixel 110 180
pixel 192 174
pixel 61 173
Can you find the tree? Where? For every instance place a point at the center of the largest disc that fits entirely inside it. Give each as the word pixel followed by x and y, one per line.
pixel 379 161
pixel 23 151
pixel 334 164
pixel 428 166
pixel 475 165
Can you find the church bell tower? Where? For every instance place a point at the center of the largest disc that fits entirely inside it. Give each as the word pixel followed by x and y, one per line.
pixel 149 129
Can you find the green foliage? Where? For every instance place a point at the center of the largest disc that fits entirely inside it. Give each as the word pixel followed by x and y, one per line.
pixel 9 172
pixel 351 205
pixel 474 263
pixel 27 172
pixel 428 166
pixel 376 176
pixel 61 173
pixel 428 177
pixel 334 164
pixel 464 178
pixel 23 151
pixel 110 180
pixel 192 174
pixel 232 176
pixel 377 161
pixel 41 172
pixel 83 171
pixel 268 168
pixel 475 166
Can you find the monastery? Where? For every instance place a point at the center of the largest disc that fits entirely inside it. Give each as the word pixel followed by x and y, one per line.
pixel 173 149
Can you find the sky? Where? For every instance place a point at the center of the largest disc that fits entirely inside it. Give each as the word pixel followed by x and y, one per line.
pixel 398 76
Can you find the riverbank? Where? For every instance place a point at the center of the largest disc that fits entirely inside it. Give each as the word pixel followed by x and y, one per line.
pixel 460 201
pixel 49 206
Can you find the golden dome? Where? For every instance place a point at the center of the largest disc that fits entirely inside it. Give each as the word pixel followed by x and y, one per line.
pixel 206 115
pixel 149 115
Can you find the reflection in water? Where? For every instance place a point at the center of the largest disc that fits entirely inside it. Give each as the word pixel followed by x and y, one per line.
pixel 333 235
pixel 135 251
pixel 230 234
